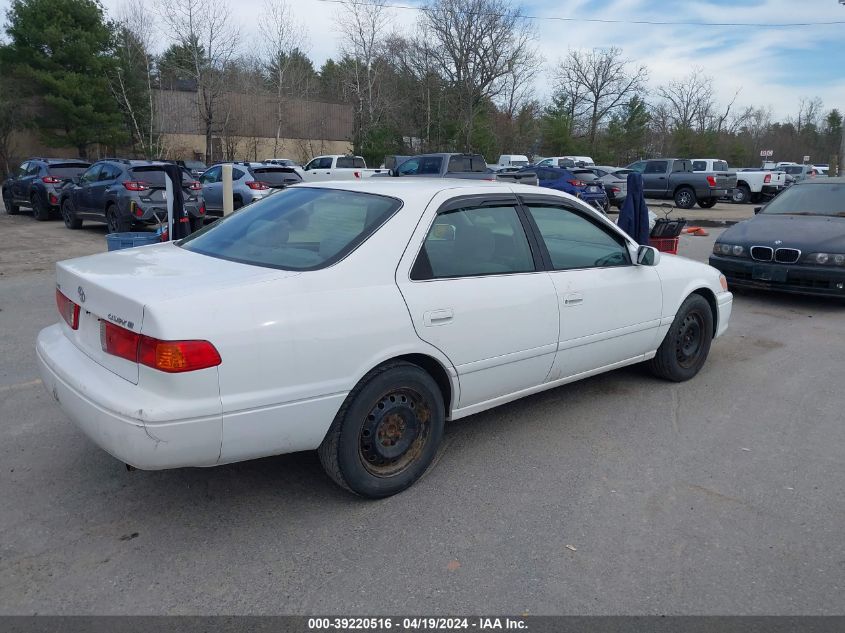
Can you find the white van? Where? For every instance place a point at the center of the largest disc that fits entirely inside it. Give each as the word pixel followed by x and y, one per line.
pixel 566 161
pixel 512 160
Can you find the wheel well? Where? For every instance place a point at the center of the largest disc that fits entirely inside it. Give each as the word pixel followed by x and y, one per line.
pixel 679 187
pixel 742 182
pixel 436 371
pixel 714 310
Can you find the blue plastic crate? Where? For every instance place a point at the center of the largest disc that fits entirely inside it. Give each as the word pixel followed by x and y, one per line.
pixel 119 241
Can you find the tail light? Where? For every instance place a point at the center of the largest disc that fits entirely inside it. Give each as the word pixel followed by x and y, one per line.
pixel 53 199
pixel 577 183
pixel 711 180
pixel 767 178
pixel 615 189
pixel 68 309
pixel 51 180
pixel 202 209
pixel 195 186
pixel 257 185
pixel 135 185
pixel 357 174
pixel 139 211
pixel 168 356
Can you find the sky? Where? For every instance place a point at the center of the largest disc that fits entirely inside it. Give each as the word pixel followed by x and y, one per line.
pixel 770 67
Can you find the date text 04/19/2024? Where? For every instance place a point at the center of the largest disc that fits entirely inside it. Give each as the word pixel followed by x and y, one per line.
pixel 415 624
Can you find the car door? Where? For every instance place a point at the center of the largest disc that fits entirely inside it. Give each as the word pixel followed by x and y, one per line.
pixel 212 191
pixel 655 179
pixel 81 193
pixel 18 182
pixel 320 168
pixel 475 289
pixel 609 306
pixel 107 177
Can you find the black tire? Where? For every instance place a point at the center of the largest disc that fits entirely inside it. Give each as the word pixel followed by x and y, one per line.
pixel 197 224
pixel 396 398
pixel 40 210
pixel 707 203
pixel 756 198
pixel 685 198
pixel 237 203
pixel 11 207
pixel 741 194
pixel 114 221
pixel 69 215
pixel 687 344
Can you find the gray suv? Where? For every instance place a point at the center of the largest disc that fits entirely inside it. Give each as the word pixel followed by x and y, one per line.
pixel 250 182
pixel 111 191
pixel 38 184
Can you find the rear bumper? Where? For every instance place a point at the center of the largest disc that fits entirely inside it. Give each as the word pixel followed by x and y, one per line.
pixel 718 193
pixel 821 281
pixel 110 411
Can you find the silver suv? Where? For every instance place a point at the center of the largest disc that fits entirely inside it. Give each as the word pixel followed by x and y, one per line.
pixel 250 182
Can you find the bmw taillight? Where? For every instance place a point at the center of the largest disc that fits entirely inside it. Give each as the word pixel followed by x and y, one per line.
pixel 68 309
pixel 168 356
pixel 767 178
pixel 51 180
pixel 711 180
pixel 135 185
pixel 257 185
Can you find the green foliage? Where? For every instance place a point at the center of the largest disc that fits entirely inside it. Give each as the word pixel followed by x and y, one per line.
pixel 177 65
pixel 556 127
pixel 62 51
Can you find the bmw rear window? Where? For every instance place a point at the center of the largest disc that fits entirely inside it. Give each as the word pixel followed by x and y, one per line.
pixel 303 228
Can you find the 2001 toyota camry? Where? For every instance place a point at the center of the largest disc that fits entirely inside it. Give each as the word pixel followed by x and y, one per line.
pixel 355 318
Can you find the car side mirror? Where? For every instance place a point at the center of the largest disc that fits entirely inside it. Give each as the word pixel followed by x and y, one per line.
pixel 648 256
pixel 757 210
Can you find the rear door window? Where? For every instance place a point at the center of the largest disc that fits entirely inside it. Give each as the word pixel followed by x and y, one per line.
pixel 487 240
pixel 212 175
pixel 92 172
pixel 345 162
pixel 109 172
pixel 700 165
pixel 22 169
pixel 33 169
pixel 656 167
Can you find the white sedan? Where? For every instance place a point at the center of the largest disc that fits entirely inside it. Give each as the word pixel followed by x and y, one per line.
pixel 355 318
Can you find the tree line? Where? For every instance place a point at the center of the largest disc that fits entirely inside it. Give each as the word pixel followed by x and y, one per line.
pixel 463 79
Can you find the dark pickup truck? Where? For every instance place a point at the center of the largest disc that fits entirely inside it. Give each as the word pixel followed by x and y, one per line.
pixel 673 178
pixel 445 165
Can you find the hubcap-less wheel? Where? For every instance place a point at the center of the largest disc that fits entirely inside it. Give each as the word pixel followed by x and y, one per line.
pixel 394 433
pixel 111 221
pixel 689 341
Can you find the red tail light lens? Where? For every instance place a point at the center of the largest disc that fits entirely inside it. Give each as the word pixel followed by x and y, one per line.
pixel 711 180
pixel 202 209
pixel 615 189
pixel 577 183
pixel 68 309
pixel 255 184
pixel 135 185
pixel 357 174
pixel 53 199
pixel 51 180
pixel 767 178
pixel 167 356
pixel 195 186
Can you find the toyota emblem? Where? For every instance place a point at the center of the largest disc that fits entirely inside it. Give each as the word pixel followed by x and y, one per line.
pixel 81 294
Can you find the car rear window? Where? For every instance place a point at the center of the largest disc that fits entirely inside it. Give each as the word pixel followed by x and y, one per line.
pixel 67 171
pixel 195 164
pixel 303 228
pixel 720 165
pixel 157 178
pixel 276 177
pixel 346 162
pixel 809 199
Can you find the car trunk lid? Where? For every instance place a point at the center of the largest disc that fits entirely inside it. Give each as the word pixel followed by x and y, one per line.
pixel 116 287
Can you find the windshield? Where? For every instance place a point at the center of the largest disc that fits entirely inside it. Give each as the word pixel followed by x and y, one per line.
pixel 826 199
pixel 302 228
pixel 519 163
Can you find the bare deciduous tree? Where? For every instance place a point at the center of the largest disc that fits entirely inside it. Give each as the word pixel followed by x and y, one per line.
pixel 283 36
pixel 204 29
pixel 598 82
pixel 689 101
pixel 809 111
pixel 477 44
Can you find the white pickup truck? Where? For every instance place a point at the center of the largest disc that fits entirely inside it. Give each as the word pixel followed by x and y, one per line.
pixel 336 167
pixel 752 185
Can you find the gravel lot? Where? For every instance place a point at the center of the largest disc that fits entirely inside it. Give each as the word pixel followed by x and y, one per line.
pixel 620 494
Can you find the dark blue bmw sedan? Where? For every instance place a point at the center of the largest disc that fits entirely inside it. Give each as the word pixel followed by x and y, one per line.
pixel 796 243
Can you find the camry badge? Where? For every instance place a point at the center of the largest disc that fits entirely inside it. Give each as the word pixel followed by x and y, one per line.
pixel 81 294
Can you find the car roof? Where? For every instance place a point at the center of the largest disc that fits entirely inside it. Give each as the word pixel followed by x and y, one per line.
pixel 838 180
pixel 55 161
pixel 425 188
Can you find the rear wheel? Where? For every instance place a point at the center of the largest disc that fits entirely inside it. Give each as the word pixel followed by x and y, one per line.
pixel 11 207
pixel 197 223
pixel 69 215
pixel 682 353
pixel 116 223
pixel 386 433
pixel 40 210
pixel 707 203
pixel 741 194
pixel 684 198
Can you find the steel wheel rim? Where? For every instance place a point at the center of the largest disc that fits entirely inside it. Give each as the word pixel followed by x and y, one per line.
pixel 394 432
pixel 689 342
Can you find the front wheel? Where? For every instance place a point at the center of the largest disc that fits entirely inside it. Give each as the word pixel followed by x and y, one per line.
pixel 707 203
pixel 684 198
pixel 386 433
pixel 11 207
pixel 682 353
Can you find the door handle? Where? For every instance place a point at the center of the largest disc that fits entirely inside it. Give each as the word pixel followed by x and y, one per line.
pixel 573 299
pixel 438 317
